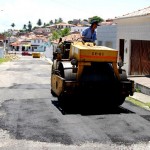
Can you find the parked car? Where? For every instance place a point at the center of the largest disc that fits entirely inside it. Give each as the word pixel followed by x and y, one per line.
pixel 26 53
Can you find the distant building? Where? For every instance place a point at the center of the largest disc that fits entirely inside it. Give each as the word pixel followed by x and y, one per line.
pixel 28 43
pixel 61 26
pixel 78 29
pixel 1 49
pixel 41 30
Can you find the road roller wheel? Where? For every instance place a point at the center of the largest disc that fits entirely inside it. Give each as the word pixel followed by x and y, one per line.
pixel 122 99
pixel 52 92
pixel 62 100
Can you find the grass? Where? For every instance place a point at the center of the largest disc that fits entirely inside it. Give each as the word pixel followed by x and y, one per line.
pixel 8 57
pixel 138 90
pixel 4 60
pixel 138 103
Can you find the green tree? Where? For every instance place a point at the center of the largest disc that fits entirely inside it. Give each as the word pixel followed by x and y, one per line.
pixel 51 22
pixel 55 35
pixel 44 25
pixel 60 20
pixel 70 21
pixel 39 23
pixel 98 19
pixel 7 34
pixel 56 21
pixel 65 32
pixel 85 20
pixel 29 26
pixel 24 27
pixel 13 25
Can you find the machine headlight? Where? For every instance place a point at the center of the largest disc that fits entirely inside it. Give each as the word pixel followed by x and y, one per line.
pixel 74 62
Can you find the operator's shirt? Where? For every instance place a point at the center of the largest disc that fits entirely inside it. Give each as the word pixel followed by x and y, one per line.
pixel 88 35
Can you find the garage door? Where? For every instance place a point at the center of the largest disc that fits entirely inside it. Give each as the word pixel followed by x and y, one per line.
pixel 140 57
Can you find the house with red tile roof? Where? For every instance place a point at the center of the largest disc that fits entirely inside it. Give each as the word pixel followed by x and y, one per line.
pixel 61 26
pixel 130 35
pixel 28 42
pixel 72 37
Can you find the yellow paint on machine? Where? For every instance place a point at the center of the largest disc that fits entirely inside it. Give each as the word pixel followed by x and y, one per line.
pixel 93 53
pixel 88 52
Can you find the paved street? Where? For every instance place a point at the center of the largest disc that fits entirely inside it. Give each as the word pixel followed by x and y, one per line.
pixel 30 117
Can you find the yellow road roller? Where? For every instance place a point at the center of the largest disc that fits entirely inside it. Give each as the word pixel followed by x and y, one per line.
pixel 84 69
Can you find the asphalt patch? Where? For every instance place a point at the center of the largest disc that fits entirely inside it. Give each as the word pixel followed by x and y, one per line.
pixel 32 119
pixel 87 109
pixel 147 117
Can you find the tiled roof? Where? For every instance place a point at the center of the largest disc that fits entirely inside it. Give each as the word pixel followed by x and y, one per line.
pixel 141 12
pixel 71 37
pixel 106 23
pixel 64 24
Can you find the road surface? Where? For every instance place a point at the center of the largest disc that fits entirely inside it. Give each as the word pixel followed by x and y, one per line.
pixel 30 117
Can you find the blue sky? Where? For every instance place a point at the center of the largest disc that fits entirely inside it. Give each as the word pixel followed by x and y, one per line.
pixel 21 12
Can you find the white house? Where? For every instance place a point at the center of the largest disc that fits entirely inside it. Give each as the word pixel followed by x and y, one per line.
pixel 42 30
pixel 78 28
pixel 64 25
pixel 131 37
pixel 1 49
pixel 49 51
pixel 29 43
pixel 60 26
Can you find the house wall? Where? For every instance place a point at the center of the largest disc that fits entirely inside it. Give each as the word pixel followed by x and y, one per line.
pixel 136 28
pixel 49 51
pixel 63 26
pixel 107 36
pixel 1 52
pixel 37 42
pixel 1 49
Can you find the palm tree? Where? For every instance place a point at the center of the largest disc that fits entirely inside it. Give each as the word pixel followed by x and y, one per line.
pixel 13 25
pixel 60 20
pixel 39 23
pixel 29 26
pixel 25 27
pixel 56 21
pixel 51 22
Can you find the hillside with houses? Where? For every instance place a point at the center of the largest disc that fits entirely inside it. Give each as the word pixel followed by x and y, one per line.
pixel 129 34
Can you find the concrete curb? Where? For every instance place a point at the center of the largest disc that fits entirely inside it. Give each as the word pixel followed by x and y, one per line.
pixel 143 88
pixel 49 60
pixel 141 97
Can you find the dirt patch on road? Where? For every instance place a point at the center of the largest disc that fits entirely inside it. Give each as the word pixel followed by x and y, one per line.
pixel 11 57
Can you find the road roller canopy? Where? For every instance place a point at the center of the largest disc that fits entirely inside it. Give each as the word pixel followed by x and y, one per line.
pixel 89 52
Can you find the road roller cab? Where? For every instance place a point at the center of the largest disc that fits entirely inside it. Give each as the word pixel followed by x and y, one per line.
pixel 90 69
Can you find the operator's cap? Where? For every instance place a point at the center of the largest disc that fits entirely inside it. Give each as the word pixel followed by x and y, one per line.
pixel 94 21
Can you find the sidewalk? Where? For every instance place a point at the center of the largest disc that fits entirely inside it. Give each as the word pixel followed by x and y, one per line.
pixel 141 97
pixel 142 83
pixel 49 60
